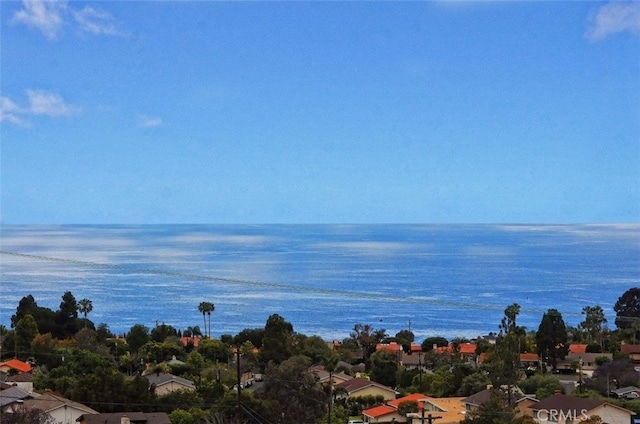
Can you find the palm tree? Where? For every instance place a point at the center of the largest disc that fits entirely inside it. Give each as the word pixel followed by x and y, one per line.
pixel 84 307
pixel 206 308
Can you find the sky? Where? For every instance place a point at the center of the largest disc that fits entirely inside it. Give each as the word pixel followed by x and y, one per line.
pixel 132 112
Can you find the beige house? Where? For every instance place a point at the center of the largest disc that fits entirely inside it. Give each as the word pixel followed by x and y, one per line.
pixel 447 410
pixel 360 387
pixel 563 409
pixel 63 411
pixel 167 383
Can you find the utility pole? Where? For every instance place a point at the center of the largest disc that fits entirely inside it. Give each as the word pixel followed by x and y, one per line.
pixel 238 385
pixel 429 418
pixel 420 371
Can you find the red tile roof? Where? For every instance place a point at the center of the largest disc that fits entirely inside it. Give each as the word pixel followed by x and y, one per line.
pixel 468 348
pixel 464 348
pixel 416 397
pixel 378 411
pixel 577 348
pixel 17 365
pixel 416 347
pixel 630 348
pixel 392 347
pixel 529 357
pixel 190 340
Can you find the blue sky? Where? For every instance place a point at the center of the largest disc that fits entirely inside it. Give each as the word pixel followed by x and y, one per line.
pixel 320 112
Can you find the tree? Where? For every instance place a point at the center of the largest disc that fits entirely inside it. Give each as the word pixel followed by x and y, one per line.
pixel 383 368
pixel 181 398
pixel 594 324
pixel 408 406
pixel 313 347
pixel 330 362
pixel 45 317
pixel 543 385
pixel 294 390
pixel 84 307
pixel 430 342
pixel 161 332
pixel 24 415
pixel 137 337
pixel 26 331
pixel 406 335
pixel 366 337
pixel 205 309
pixel 473 383
pixel 613 375
pixel 627 309
pixel 504 362
pixel 496 410
pixel 552 338
pixel 254 335
pixel 26 306
pixel 67 316
pixel 214 350
pixel 276 344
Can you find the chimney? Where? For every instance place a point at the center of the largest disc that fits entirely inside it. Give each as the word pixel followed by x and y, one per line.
pixel 125 420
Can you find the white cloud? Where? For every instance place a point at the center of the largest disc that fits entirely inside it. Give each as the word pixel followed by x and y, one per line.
pixel 39 103
pixel 46 16
pixel 96 21
pixel 47 103
pixel 613 18
pixel 50 16
pixel 149 121
pixel 10 112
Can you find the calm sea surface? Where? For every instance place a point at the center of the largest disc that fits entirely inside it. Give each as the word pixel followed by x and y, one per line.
pixel 449 280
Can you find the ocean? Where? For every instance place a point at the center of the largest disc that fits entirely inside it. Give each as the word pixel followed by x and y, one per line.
pixel 435 280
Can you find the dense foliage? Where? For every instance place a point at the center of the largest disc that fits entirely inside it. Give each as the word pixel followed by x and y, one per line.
pixel 90 365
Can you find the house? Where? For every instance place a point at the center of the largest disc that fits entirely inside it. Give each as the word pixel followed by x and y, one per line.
pixel 632 351
pixel 125 417
pixel 413 361
pixel 167 383
pixel 473 402
pixel 394 348
pixel 529 360
pixel 524 404
pixel 193 341
pixel 448 409
pixel 466 351
pixel 15 365
pixel 23 380
pixel 174 361
pixel 578 348
pixel 589 361
pixel 629 392
pixel 360 387
pixel 11 397
pixel 62 410
pixel 563 409
pixel 322 376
